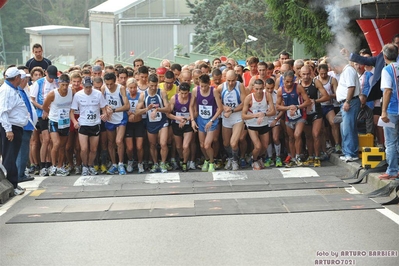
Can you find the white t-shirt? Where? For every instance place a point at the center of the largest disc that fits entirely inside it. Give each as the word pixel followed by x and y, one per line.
pixel 89 107
pixel 386 78
pixel 348 78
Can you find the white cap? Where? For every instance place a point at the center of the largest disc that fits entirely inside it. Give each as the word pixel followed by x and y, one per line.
pixel 12 72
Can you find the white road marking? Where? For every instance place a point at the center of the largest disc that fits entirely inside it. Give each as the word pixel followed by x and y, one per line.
pixel 387 212
pixel 229 175
pixel 162 178
pixel 298 172
pixel 96 180
pixel 29 186
pixel 11 202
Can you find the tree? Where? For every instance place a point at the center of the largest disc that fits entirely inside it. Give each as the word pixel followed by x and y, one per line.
pixel 299 19
pixel 226 24
pixel 307 21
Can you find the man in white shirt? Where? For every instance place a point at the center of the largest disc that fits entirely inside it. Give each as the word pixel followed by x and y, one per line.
pixel 348 97
pixel 13 117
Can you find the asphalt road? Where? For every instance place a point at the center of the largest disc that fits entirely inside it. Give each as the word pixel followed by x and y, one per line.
pixel 298 233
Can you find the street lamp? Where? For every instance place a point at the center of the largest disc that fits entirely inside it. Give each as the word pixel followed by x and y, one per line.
pixel 249 39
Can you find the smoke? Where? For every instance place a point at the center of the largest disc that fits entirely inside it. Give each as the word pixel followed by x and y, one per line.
pixel 338 21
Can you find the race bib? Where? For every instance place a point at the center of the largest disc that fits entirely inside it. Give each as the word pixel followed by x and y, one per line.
pixel 133 105
pixel 185 115
pixel 311 109
pixel 91 118
pixel 157 118
pixel 205 111
pixel 63 118
pixel 296 115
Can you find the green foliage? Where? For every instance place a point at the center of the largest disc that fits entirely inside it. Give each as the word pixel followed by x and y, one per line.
pixel 222 27
pixel 299 19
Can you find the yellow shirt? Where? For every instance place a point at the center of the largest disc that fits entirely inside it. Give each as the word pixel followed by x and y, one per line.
pixel 170 93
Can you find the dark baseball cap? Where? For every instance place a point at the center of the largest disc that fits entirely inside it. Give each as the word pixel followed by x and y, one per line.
pixel 87 82
pixel 52 72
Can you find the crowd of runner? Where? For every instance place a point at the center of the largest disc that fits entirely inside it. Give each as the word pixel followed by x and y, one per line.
pixel 206 115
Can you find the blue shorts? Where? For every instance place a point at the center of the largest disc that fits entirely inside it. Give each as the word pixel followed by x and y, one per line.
pixel 201 123
pixel 112 127
pixel 155 127
pixel 326 109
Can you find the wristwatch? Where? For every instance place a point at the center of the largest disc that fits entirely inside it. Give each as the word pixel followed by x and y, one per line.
pixel 113 110
pixel 211 120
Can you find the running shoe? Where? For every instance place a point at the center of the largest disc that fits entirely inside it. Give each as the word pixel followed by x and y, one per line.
pixel 140 167
pixel 92 170
pixel 338 149
pixel 121 169
pixel 164 167
pixel 129 167
pixel 18 191
pixel 52 170
pixel 255 166
pixel 184 167
pixel 191 165
pixel 44 172
pixel 62 172
pixel 78 170
pixel 228 164
pixel 243 163
pixel 279 163
pixel 235 166
pixel 268 162
pixel 85 171
pixel 211 167
pixel 155 168
pixel 205 166
pixel 299 161
pixel 103 169
pixel 309 161
pixel 113 170
pixel 174 164
pixel 317 162
pixel 287 159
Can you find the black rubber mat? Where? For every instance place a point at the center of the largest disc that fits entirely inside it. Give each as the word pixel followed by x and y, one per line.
pixel 314 203
pixel 201 188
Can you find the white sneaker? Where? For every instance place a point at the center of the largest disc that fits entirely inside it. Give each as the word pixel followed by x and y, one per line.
pixel 18 191
pixel 129 167
pixel 92 171
pixel 85 171
pixel 140 166
pixel 235 166
pixel 228 164
pixel 191 165
pixel 77 170
pixel 52 170
pixel 43 172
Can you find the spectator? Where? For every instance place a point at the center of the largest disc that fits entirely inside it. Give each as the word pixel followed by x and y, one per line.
pixel 389 112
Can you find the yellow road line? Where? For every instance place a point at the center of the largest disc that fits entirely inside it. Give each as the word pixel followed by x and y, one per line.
pixel 36 193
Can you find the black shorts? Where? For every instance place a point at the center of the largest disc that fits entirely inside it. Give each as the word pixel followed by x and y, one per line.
pixel 91 131
pixel 53 127
pixel 135 130
pixel 177 131
pixel 312 117
pixel 377 110
pixel 43 124
pixel 261 130
pixel 337 109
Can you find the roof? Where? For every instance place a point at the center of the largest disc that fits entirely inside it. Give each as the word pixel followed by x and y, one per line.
pixel 57 30
pixel 115 6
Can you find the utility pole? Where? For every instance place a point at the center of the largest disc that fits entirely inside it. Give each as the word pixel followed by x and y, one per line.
pixel 2 47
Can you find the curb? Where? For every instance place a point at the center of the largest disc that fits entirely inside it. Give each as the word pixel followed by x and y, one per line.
pixel 372 178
